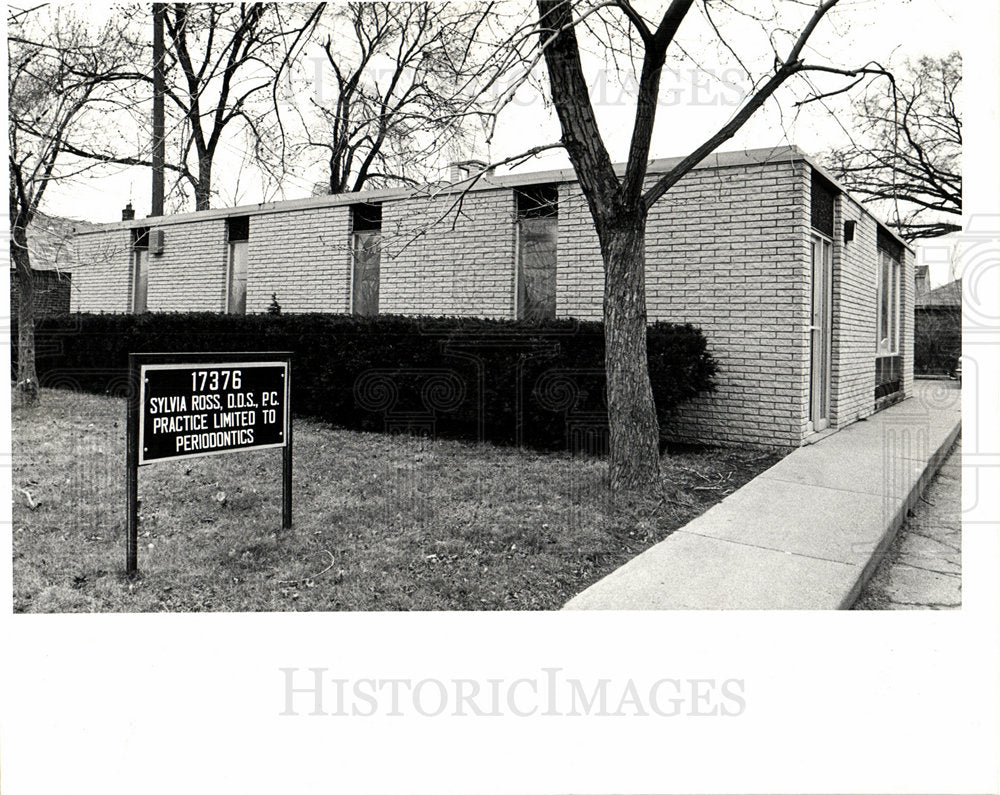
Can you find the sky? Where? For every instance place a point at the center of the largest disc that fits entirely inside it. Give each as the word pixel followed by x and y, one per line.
pixel 693 105
pixel 695 101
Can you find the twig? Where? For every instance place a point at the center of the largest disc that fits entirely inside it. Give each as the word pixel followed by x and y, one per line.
pixel 31 502
pixel 662 500
pixel 693 472
pixel 314 576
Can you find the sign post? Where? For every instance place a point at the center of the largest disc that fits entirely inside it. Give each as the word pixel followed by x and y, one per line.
pixel 189 405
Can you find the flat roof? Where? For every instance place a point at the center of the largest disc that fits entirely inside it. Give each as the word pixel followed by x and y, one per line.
pixel 488 181
pixel 947 295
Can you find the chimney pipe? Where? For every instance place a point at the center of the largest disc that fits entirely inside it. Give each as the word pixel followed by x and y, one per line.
pixel 464 169
pixel 128 213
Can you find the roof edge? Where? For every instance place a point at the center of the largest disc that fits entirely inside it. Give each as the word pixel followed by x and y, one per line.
pixel 729 159
pixel 839 186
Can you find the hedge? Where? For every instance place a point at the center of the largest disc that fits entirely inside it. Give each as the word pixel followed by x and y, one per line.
pixel 541 384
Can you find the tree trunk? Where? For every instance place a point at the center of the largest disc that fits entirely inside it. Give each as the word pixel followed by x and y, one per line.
pixel 635 436
pixel 203 190
pixel 26 389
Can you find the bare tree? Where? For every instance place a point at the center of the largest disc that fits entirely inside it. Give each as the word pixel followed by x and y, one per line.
pixel 394 97
pixel 620 205
pixel 223 65
pixel 907 151
pixel 48 101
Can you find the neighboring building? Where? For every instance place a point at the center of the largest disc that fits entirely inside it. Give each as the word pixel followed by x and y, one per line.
pixel 50 247
pixel 52 290
pixel 937 336
pixel 806 300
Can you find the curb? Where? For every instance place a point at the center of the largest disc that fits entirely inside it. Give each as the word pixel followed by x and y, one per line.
pixel 899 519
pixel 807 534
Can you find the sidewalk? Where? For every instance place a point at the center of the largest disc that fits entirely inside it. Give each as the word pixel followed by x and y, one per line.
pixel 923 568
pixel 805 534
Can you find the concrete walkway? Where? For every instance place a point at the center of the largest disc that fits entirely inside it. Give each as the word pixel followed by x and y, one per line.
pixel 923 568
pixel 805 534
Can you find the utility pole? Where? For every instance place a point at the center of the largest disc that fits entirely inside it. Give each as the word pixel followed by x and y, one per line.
pixel 159 125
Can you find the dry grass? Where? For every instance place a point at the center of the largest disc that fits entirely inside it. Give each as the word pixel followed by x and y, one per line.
pixel 381 522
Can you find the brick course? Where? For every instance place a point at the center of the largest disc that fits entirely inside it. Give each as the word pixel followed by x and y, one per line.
pixel 190 274
pixel 102 278
pixel 303 258
pixel 441 259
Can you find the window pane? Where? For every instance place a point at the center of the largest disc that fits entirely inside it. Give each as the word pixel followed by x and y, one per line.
pixel 883 307
pixel 367 260
pixel 536 278
pixel 238 254
pixel 141 279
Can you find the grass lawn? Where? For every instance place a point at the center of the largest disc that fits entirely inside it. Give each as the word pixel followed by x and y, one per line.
pixel 381 522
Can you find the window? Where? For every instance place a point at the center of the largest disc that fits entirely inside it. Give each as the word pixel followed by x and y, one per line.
pixel 888 296
pixel 823 199
pixel 238 235
pixel 537 235
pixel 888 301
pixel 140 268
pixel 366 255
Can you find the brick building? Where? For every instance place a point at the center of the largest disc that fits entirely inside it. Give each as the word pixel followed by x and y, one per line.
pixel 937 329
pixel 50 245
pixel 805 299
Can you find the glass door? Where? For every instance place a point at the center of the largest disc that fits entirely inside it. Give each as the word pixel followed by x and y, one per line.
pixel 237 294
pixel 820 333
pixel 367 267
pixel 141 280
pixel 536 268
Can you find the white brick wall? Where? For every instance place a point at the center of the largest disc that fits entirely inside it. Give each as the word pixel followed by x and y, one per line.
pixel 728 252
pixel 855 266
pixel 579 267
pixel 303 258
pixel 190 275
pixel 102 278
pixel 442 261
pixel 906 336
pixel 727 249
pixel 856 313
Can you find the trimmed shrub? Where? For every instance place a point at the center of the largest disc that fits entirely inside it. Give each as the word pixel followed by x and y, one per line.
pixel 510 382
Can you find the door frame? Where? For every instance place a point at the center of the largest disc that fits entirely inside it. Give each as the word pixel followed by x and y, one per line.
pixel 820 332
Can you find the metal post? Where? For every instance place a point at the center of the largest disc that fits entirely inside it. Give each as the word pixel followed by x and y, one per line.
pixel 132 471
pixel 286 455
pixel 159 127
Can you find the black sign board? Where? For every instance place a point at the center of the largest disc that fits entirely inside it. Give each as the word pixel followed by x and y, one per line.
pixel 202 409
pixel 187 405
